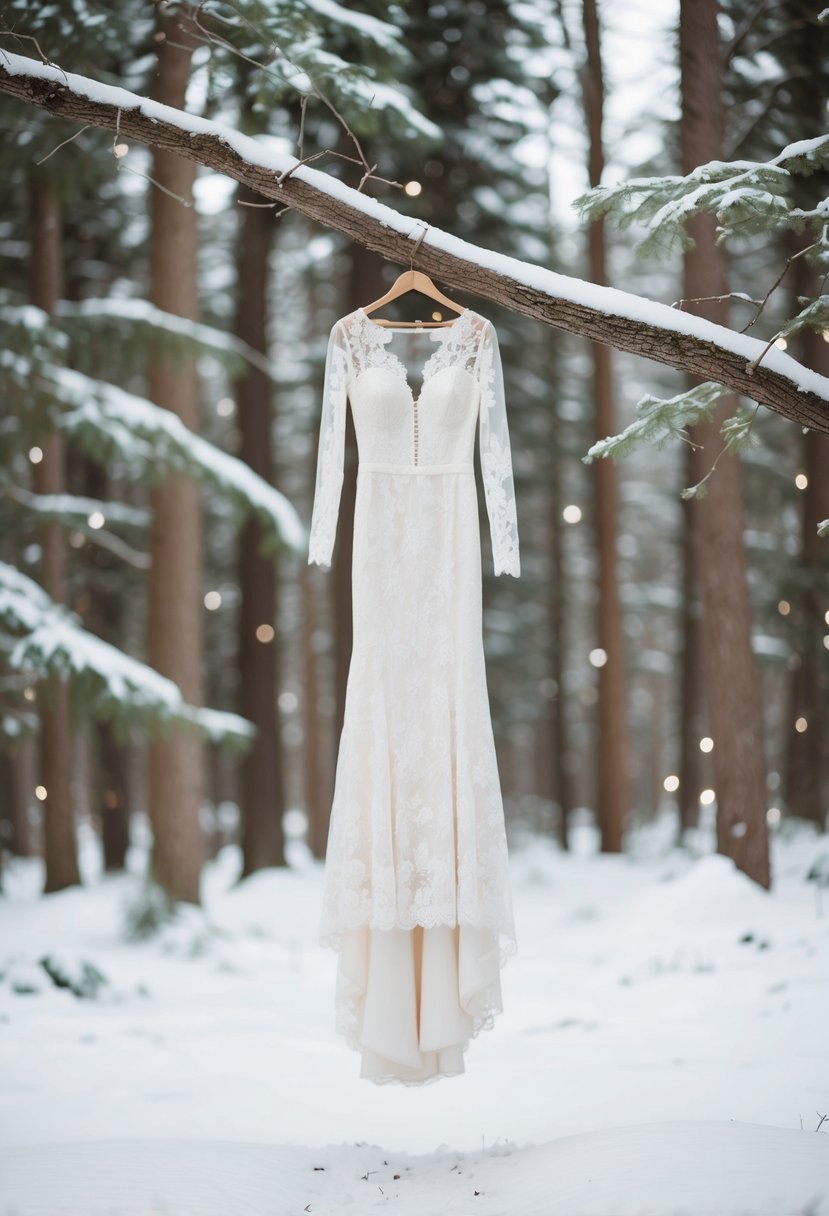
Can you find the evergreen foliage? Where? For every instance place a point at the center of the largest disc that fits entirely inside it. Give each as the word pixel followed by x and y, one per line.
pixel 39 638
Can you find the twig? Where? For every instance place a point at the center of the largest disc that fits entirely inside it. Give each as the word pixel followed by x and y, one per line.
pixel 690 491
pixel 303 105
pixel 63 144
pixel 729 295
pixel 31 38
pixel 774 287
pixel 316 91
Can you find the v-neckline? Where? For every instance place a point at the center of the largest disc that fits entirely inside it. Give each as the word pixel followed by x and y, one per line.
pixel 437 334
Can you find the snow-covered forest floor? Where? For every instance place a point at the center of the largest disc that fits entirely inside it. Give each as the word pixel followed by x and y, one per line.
pixel 662 1050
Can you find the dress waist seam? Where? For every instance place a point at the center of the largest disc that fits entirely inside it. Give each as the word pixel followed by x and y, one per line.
pixel 375 466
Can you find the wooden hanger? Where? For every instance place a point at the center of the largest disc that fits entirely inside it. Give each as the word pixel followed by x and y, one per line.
pixel 414 280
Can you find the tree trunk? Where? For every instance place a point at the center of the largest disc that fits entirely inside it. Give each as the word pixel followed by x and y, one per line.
pixel 807 760
pixel 732 682
pixel 613 778
pixel 263 799
pixel 113 797
pixel 316 773
pixel 692 707
pixel 19 837
pixel 565 794
pixel 175 594
pixel 103 613
pixel 59 844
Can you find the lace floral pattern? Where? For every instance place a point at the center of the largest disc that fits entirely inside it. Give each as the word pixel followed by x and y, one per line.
pixel 331 449
pixel 417 835
pixel 357 345
pixel 457 345
pixel 496 458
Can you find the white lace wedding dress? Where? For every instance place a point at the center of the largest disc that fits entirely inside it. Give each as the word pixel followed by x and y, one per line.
pixel 417 898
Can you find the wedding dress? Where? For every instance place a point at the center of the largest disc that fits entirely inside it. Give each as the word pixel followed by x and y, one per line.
pixel 417 898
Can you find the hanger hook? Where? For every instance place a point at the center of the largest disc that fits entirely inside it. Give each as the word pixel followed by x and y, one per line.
pixel 417 244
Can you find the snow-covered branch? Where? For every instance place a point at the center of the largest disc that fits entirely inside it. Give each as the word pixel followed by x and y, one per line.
pixel 87 515
pixel 113 423
pixel 618 318
pixel 140 314
pixel 54 642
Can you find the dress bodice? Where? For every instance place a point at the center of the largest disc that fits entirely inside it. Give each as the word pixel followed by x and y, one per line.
pixel 416 397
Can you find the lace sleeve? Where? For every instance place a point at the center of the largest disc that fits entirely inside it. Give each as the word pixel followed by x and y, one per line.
pixel 496 457
pixel 331 451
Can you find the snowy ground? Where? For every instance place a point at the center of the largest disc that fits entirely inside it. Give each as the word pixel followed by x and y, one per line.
pixel 662 1052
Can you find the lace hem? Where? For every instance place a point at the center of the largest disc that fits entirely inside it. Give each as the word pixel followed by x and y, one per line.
pixel 488 1007
pixel 330 936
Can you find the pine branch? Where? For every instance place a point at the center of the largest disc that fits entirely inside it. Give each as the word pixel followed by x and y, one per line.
pixel 87 515
pixel 110 683
pixel 658 420
pixel 111 423
pixel 143 316
pixel 617 318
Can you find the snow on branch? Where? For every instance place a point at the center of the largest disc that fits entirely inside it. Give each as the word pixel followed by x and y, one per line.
pixel 142 315
pixel 54 642
pixel 87 515
pixel 658 420
pixel 748 198
pixel 111 422
pixel 604 314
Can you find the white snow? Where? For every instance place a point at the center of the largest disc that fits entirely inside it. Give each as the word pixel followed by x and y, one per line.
pixel 386 35
pixel 662 1050
pixel 77 507
pixel 131 420
pixel 610 300
pixel 143 313
pixel 55 639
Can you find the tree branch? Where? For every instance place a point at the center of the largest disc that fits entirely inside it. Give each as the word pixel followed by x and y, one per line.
pixel 603 314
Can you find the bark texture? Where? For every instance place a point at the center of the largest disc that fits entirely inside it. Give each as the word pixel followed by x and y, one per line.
pixel 732 681
pixel 263 799
pixel 55 738
pixel 175 592
pixel 613 776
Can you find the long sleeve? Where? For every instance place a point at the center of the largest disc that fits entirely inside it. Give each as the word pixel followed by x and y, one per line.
pixel 496 456
pixel 331 450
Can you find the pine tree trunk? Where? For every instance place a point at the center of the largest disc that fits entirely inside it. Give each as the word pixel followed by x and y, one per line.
pixel 175 597
pixel 732 681
pixel 19 836
pixel 316 774
pixel 59 844
pixel 613 777
pixel 113 795
pixel 692 708
pixel 103 614
pixel 807 759
pixel 263 800
pixel 564 792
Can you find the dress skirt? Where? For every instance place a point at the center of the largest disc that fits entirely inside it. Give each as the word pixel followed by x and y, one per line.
pixel 416 896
